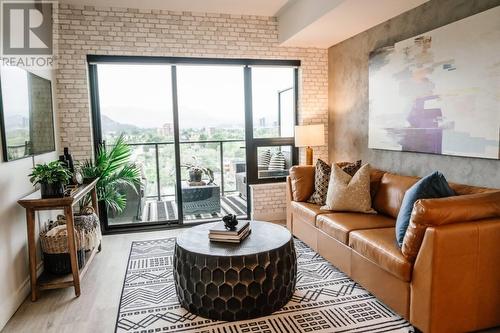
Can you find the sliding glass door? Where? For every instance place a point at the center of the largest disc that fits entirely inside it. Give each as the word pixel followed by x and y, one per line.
pixel 135 100
pixel 194 133
pixel 211 105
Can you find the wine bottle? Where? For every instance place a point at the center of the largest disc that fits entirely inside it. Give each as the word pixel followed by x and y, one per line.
pixel 69 160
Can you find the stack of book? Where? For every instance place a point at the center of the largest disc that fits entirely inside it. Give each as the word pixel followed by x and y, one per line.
pixel 219 232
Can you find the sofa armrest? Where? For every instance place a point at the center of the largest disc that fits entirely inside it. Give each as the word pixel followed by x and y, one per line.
pixel 302 182
pixel 442 211
pixel 288 203
pixel 455 282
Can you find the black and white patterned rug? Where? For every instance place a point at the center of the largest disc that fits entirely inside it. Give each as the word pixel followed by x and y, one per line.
pixel 325 300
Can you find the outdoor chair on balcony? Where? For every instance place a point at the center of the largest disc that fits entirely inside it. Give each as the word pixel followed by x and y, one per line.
pixel 265 170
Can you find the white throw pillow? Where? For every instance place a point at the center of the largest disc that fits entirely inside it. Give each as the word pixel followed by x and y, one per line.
pixel 349 194
pixel 277 161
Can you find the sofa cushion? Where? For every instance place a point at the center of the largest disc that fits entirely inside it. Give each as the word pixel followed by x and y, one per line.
pixel 391 191
pixel 322 178
pixel 433 212
pixel 349 193
pixel 302 182
pixel 305 211
pixel 264 158
pixel 461 189
pixel 380 247
pixel 350 167
pixel 375 177
pixel 339 225
pixel 431 186
pixel 277 161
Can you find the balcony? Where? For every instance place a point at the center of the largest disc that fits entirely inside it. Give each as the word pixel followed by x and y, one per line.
pixel 155 200
pixel 212 108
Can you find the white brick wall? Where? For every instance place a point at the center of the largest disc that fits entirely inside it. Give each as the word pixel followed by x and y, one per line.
pixel 268 202
pixel 86 30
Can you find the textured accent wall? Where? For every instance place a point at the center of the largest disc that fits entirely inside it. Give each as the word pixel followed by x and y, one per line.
pixel 348 96
pixel 125 31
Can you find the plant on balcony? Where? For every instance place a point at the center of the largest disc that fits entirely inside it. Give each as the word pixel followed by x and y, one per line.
pixel 52 177
pixel 196 171
pixel 115 171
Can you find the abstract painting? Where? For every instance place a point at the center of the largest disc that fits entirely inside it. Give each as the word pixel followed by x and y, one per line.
pixel 439 92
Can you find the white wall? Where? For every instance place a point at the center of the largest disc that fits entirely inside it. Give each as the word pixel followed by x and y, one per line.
pixel 14 184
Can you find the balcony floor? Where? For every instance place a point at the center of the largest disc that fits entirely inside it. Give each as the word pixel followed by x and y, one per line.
pixel 166 210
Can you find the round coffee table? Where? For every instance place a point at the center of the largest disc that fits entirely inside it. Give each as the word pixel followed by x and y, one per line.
pixel 225 281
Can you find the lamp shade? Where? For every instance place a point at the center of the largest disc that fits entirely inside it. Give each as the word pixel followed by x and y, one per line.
pixel 309 135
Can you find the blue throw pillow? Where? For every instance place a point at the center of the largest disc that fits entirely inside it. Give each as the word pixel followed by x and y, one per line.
pixel 431 186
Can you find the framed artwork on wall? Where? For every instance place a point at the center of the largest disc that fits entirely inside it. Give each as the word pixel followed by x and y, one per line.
pixel 439 92
pixel 26 114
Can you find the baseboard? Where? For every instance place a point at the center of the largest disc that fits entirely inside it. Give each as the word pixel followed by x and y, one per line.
pixel 10 305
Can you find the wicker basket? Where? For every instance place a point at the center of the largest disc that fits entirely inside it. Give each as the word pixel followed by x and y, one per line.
pixel 56 257
pixel 87 222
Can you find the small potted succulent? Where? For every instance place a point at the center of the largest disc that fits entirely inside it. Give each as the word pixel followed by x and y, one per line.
pixel 196 172
pixel 52 177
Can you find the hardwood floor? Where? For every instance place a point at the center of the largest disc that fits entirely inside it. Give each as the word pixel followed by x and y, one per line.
pixel 96 309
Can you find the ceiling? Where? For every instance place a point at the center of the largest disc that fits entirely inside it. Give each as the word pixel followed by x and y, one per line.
pixel 332 21
pixel 301 23
pixel 239 7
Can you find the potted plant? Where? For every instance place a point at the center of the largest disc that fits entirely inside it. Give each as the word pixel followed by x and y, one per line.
pixel 115 171
pixel 89 171
pixel 52 177
pixel 196 172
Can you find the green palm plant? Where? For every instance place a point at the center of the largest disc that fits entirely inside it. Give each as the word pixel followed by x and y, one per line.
pixel 115 172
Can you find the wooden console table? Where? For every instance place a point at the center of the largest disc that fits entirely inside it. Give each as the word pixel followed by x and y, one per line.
pixel 33 203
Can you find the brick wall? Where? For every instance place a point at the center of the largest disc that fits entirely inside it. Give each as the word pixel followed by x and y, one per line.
pixel 119 31
pixel 268 202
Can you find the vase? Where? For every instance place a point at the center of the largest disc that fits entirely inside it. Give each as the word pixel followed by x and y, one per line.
pixel 53 190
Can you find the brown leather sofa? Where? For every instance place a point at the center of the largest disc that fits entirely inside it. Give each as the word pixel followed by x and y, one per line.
pixel 454 283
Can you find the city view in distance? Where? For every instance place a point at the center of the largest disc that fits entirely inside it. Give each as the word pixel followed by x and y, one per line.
pixel 207 154
pixel 136 100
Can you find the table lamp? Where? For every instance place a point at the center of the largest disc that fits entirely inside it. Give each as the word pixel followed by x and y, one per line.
pixel 307 136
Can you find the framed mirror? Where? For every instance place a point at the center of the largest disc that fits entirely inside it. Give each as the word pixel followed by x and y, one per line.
pixel 27 121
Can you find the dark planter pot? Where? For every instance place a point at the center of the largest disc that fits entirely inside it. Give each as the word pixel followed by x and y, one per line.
pixel 195 176
pixel 89 180
pixel 55 190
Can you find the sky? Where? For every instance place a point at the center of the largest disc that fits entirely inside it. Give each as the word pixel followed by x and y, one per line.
pixel 15 91
pixel 208 96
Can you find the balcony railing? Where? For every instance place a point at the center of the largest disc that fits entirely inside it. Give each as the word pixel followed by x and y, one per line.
pixel 18 151
pixel 158 160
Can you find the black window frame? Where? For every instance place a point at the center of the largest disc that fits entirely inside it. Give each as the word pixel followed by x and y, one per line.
pixel 254 143
pixel 251 143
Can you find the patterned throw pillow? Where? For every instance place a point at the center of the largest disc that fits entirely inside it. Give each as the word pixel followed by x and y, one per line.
pixel 348 193
pixel 264 158
pixel 277 161
pixel 350 167
pixel 322 178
